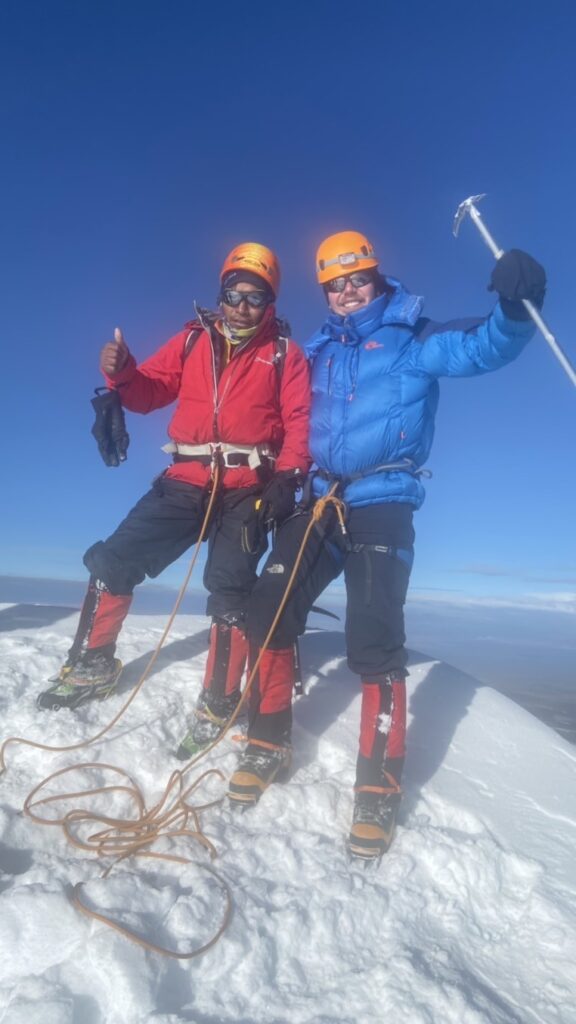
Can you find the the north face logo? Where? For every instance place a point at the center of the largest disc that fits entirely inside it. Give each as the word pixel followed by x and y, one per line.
pixel 373 344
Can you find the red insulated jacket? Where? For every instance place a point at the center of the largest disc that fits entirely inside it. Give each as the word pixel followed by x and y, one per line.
pixel 248 403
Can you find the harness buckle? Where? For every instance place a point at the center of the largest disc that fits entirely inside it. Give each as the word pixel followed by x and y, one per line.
pixel 225 458
pixel 217 456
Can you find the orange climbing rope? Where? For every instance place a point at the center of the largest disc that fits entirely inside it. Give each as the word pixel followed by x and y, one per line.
pixel 173 815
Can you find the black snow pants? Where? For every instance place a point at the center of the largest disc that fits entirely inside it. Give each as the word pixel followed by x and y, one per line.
pixel 375 556
pixel 163 525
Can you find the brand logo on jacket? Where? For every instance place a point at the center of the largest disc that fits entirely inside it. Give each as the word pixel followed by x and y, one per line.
pixel 373 344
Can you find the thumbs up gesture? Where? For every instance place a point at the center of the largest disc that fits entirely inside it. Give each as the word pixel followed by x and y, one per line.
pixel 114 355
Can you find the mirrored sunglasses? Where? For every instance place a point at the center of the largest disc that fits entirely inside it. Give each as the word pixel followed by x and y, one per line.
pixel 357 280
pixel 257 300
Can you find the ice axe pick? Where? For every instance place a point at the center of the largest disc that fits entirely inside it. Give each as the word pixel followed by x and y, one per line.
pixel 469 206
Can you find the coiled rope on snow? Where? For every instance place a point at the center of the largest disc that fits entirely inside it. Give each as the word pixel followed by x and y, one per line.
pixel 173 816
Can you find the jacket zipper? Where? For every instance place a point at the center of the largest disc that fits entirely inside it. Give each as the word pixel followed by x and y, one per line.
pixel 215 389
pixel 219 401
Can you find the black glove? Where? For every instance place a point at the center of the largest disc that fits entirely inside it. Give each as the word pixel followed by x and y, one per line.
pixel 276 503
pixel 518 276
pixel 278 499
pixel 110 427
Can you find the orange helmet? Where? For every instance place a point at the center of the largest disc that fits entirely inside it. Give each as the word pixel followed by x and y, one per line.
pixel 256 258
pixel 343 254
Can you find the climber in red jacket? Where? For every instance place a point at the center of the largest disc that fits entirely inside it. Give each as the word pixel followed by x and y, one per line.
pixel 242 398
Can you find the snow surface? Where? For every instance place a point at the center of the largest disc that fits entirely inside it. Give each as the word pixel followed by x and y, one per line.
pixel 469 919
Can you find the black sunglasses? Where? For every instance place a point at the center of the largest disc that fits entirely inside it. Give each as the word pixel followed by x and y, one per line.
pixel 357 280
pixel 257 300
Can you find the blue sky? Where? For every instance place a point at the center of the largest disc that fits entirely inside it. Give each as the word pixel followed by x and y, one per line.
pixel 143 140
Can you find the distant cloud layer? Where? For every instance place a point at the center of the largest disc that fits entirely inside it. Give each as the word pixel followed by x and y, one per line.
pixel 560 601
pixel 519 574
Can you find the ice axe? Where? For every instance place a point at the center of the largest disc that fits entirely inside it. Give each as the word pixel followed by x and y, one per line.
pixel 469 206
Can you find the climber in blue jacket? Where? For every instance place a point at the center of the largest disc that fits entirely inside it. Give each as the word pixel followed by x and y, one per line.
pixel 375 366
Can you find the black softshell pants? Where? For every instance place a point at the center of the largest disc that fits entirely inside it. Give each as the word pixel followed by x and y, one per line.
pixel 158 530
pixel 375 556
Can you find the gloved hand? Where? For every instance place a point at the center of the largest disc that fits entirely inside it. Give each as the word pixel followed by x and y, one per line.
pixel 278 499
pixel 276 503
pixel 517 276
pixel 110 427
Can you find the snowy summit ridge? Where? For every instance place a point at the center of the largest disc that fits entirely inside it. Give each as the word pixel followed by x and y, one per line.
pixel 469 919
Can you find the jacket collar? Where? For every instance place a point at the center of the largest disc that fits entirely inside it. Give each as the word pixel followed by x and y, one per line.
pixel 209 320
pixel 396 307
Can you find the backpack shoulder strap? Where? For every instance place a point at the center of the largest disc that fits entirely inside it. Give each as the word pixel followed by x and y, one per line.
pixel 281 342
pixel 422 329
pixel 194 331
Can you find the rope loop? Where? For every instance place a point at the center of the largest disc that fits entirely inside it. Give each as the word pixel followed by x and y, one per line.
pixel 330 499
pixel 173 815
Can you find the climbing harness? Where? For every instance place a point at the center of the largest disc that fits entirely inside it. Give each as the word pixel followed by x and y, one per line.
pixel 228 456
pixel 403 466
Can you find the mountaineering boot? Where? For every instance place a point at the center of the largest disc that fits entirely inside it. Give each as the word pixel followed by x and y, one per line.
pixel 210 720
pixel 374 820
pixel 220 692
pixel 379 764
pixel 92 677
pixel 91 670
pixel 259 765
pixel 269 724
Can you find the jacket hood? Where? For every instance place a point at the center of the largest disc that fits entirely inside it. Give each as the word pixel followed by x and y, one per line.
pixel 400 307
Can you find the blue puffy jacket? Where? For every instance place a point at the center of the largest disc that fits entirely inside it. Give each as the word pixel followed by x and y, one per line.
pixel 375 389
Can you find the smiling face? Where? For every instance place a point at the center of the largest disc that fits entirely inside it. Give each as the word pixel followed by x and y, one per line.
pixel 346 294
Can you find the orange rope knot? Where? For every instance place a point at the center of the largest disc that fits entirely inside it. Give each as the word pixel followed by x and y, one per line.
pixel 337 503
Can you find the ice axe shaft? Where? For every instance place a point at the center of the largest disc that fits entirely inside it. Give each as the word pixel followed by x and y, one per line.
pixel 469 207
